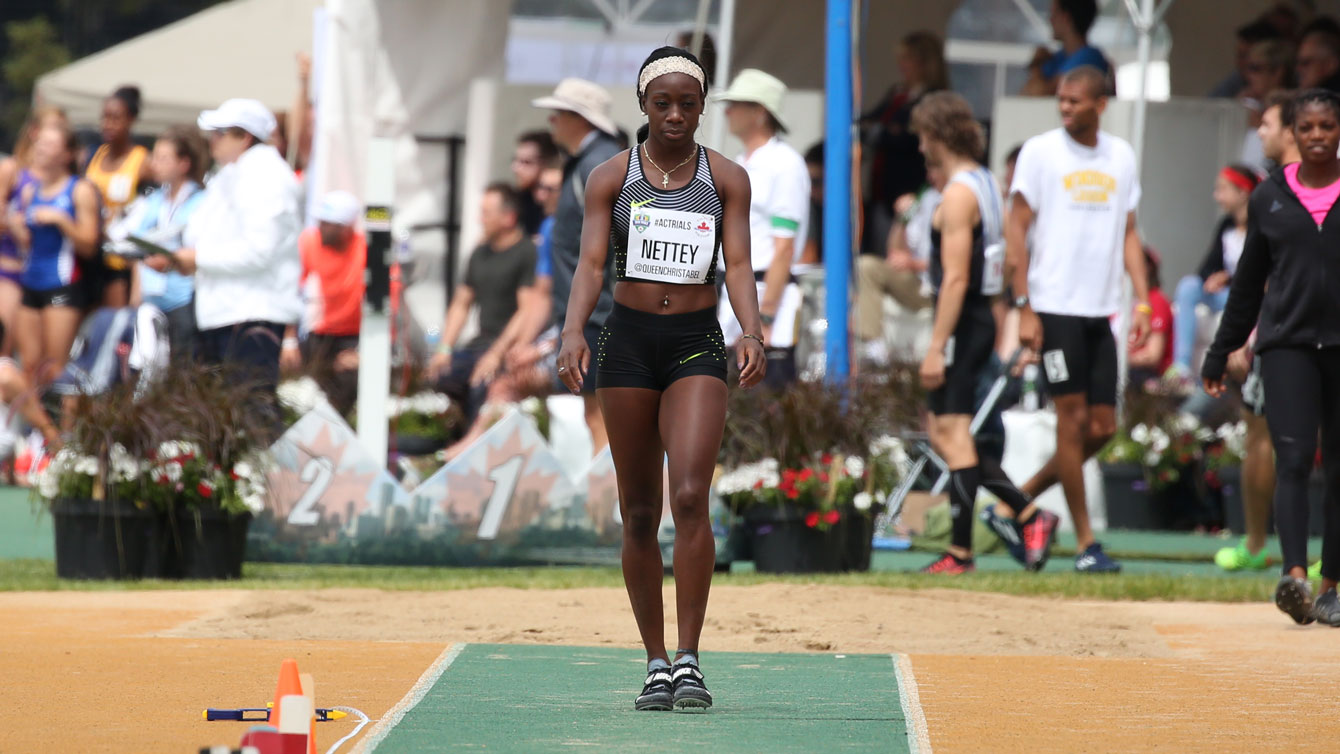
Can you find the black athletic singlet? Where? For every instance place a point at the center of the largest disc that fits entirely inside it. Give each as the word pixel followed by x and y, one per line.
pixel 654 263
pixel 985 233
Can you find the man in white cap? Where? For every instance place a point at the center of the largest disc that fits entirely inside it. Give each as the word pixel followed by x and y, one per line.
pixel 779 213
pixel 334 258
pixel 242 246
pixel 582 127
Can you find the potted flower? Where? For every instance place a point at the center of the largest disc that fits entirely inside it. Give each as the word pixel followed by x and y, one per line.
pixel 160 479
pixel 803 469
pixel 1149 473
pixel 422 424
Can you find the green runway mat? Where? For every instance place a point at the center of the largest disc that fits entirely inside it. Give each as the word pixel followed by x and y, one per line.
pixel 507 698
pixel 23 532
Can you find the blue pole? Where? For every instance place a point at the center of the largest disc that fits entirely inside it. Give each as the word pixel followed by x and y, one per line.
pixel 837 186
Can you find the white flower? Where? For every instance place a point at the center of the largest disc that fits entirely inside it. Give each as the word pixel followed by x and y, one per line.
pixel 746 477
pixel 1187 422
pixel 854 466
pixel 1152 458
pixel 1158 439
pixel 300 395
pixel 48 483
pixel 124 467
pixel 863 501
pixel 531 405
pixel 173 471
pixel 86 465
pixel 1140 434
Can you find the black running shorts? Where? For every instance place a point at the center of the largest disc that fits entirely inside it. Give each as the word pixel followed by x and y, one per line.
pixel 1079 355
pixel 645 350
pixel 966 355
pixel 66 296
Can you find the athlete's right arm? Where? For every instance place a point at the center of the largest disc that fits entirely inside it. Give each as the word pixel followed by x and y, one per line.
pixel 601 190
pixel 1016 264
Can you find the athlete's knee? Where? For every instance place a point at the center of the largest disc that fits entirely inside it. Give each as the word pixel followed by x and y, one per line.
pixel 640 522
pixel 1102 427
pixel 688 502
pixel 1294 459
pixel 1072 420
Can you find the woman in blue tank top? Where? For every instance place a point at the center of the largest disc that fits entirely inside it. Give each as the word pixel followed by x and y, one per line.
pixel 665 210
pixel 56 227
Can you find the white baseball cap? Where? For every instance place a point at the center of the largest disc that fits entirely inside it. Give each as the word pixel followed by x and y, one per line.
pixel 247 114
pixel 584 98
pixel 753 85
pixel 338 207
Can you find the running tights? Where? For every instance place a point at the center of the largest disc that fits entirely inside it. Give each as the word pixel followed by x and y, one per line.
pixel 962 499
pixel 1302 387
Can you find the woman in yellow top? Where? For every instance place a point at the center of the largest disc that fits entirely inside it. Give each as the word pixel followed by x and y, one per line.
pixel 118 169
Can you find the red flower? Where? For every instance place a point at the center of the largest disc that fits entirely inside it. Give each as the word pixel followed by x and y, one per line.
pixel 805 475
pixel 832 517
pixel 792 493
pixel 204 489
pixel 788 477
pixel 823 477
pixel 812 520
pixel 757 485
pixel 826 459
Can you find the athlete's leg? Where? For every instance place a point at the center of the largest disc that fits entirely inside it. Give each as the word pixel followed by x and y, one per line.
pixel 638 460
pixel 1258 480
pixel 1072 420
pixel 1330 450
pixel 10 296
pixel 116 293
pixel 595 423
pixel 1190 292
pixel 60 324
pixel 951 437
pixel 1293 408
pixel 692 419
pixel 28 341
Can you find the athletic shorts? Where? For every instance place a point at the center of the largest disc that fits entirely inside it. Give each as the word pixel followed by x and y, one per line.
pixel 1079 355
pixel 67 296
pixel 966 354
pixel 645 350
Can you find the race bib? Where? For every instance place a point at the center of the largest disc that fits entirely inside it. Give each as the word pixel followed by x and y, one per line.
pixel 993 269
pixel 118 189
pixel 669 246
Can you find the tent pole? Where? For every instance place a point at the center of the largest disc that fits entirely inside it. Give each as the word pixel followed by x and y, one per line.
pixel 837 186
pixel 1144 27
pixel 699 28
pixel 716 125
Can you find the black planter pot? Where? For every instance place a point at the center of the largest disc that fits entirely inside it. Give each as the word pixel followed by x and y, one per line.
pixel 208 543
pixel 782 543
pixel 1129 504
pixel 97 539
pixel 416 445
pixel 859 534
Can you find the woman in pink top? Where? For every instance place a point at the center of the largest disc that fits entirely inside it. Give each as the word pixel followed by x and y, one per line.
pixel 1293 241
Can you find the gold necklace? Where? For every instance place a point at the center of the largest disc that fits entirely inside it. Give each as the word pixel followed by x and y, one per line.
pixel 665 174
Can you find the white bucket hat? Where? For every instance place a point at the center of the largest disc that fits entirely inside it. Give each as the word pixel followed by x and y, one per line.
pixel 247 114
pixel 584 98
pixel 338 207
pixel 753 85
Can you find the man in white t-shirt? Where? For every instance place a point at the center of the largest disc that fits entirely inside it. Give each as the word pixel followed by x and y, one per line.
pixel 779 211
pixel 1077 187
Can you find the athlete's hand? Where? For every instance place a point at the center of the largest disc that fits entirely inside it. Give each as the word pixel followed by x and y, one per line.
pixel 1030 330
pixel 752 361
pixel 48 216
pixel 1240 363
pixel 573 360
pixel 438 365
pixel 1215 387
pixel 933 369
pixel 1140 328
pixel 1216 282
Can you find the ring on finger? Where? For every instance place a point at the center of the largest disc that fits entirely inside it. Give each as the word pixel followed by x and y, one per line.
pixel 562 369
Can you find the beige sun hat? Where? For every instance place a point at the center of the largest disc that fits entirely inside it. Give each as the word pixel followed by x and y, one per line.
pixel 753 85
pixel 584 98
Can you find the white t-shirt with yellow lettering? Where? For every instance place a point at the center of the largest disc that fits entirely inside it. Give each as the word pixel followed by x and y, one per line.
pixel 1081 197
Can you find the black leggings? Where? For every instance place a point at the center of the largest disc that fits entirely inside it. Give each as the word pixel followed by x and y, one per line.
pixel 1302 397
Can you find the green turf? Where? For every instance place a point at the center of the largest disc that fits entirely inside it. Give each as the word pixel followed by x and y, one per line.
pixel 508 698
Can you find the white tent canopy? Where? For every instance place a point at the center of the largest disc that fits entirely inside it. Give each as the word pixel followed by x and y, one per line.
pixel 243 48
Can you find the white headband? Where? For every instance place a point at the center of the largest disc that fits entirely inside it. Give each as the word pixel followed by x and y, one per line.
pixel 675 64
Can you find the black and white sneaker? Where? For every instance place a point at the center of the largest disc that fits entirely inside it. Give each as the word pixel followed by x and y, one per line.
pixel 1293 597
pixel 657 693
pixel 690 691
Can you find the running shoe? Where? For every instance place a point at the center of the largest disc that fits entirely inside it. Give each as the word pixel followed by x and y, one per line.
pixel 690 693
pixel 1239 559
pixel 657 693
pixel 948 564
pixel 1009 532
pixel 1314 572
pixel 1327 608
pixel 1294 598
pixel 1039 536
pixel 1094 560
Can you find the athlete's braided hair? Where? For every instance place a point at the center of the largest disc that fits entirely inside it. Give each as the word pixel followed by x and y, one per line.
pixel 1309 97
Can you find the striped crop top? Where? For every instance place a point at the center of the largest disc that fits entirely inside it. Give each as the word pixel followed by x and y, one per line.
pixel 666 236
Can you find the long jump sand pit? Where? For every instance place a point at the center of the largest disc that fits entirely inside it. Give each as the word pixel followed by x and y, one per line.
pixel 131 671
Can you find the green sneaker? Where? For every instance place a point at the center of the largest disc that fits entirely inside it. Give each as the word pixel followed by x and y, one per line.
pixel 1239 559
pixel 1314 573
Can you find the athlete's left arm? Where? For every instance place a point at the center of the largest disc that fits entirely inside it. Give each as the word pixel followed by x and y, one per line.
pixel 733 184
pixel 1135 267
pixel 956 222
pixel 86 226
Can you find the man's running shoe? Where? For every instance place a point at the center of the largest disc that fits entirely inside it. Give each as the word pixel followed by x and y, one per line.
pixel 1327 608
pixel 1009 532
pixel 690 693
pixel 1239 559
pixel 1039 536
pixel 948 564
pixel 1294 598
pixel 657 693
pixel 1094 560
pixel 1314 572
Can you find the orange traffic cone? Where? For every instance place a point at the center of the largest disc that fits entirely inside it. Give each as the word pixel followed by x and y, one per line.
pixel 290 683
